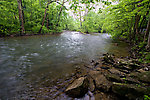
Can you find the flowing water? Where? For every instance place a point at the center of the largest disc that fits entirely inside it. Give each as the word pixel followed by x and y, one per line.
pixel 29 65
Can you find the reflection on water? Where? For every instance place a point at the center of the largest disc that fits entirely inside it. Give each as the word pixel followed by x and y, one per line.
pixel 28 62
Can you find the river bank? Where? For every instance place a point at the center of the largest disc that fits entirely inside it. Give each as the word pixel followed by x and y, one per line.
pixel 111 78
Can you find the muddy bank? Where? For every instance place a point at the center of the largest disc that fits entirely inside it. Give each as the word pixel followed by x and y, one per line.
pixel 110 78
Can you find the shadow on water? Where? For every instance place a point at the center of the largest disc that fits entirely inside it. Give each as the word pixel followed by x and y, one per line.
pixel 30 66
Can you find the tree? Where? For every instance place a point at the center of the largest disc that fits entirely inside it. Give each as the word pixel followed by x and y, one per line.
pixel 123 19
pixel 148 31
pixel 21 16
pixel 44 16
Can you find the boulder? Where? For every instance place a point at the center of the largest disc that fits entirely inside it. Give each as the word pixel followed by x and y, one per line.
pixel 143 77
pixel 129 90
pixel 114 78
pixel 78 88
pixel 102 83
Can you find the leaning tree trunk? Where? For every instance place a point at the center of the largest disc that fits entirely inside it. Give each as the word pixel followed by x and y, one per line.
pixel 60 12
pixel 47 25
pixel 44 17
pixel 21 17
pixel 147 30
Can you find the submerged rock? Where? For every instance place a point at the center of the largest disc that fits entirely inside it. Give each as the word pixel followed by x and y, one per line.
pixel 78 88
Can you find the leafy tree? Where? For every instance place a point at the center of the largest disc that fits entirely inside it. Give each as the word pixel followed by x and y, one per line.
pixel 93 22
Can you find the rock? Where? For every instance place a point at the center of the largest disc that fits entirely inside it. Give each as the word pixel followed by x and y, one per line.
pixel 78 88
pixel 96 64
pixel 104 67
pixel 108 58
pixel 99 80
pixel 141 70
pixel 93 73
pixel 91 85
pixel 124 71
pixel 144 76
pixel 92 61
pixel 102 83
pixel 133 66
pixel 146 69
pixel 123 67
pixel 117 72
pixel 116 44
pixel 129 90
pixel 130 80
pixel 114 78
pixel 127 64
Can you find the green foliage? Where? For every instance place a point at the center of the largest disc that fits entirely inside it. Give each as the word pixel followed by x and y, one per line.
pixel 8 22
pixel 120 18
pixel 146 97
pixel 33 14
pixel 92 22
pixel 147 58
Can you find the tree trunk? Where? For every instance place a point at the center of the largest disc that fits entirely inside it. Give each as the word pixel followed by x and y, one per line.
pixel 47 25
pixel 44 17
pixel 148 42
pixel 23 12
pixel 60 12
pixel 80 18
pixel 137 23
pixel 143 20
pixel 137 19
pixel 21 17
pixel 147 30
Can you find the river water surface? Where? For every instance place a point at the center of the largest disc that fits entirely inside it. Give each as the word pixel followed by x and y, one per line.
pixel 27 63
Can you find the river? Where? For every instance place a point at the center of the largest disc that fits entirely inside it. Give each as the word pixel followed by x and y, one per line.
pixel 27 63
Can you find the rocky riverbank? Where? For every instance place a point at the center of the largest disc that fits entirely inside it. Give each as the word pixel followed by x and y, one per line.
pixel 111 78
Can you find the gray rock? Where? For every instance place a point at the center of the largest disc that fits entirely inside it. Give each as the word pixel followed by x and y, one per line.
pixel 78 88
